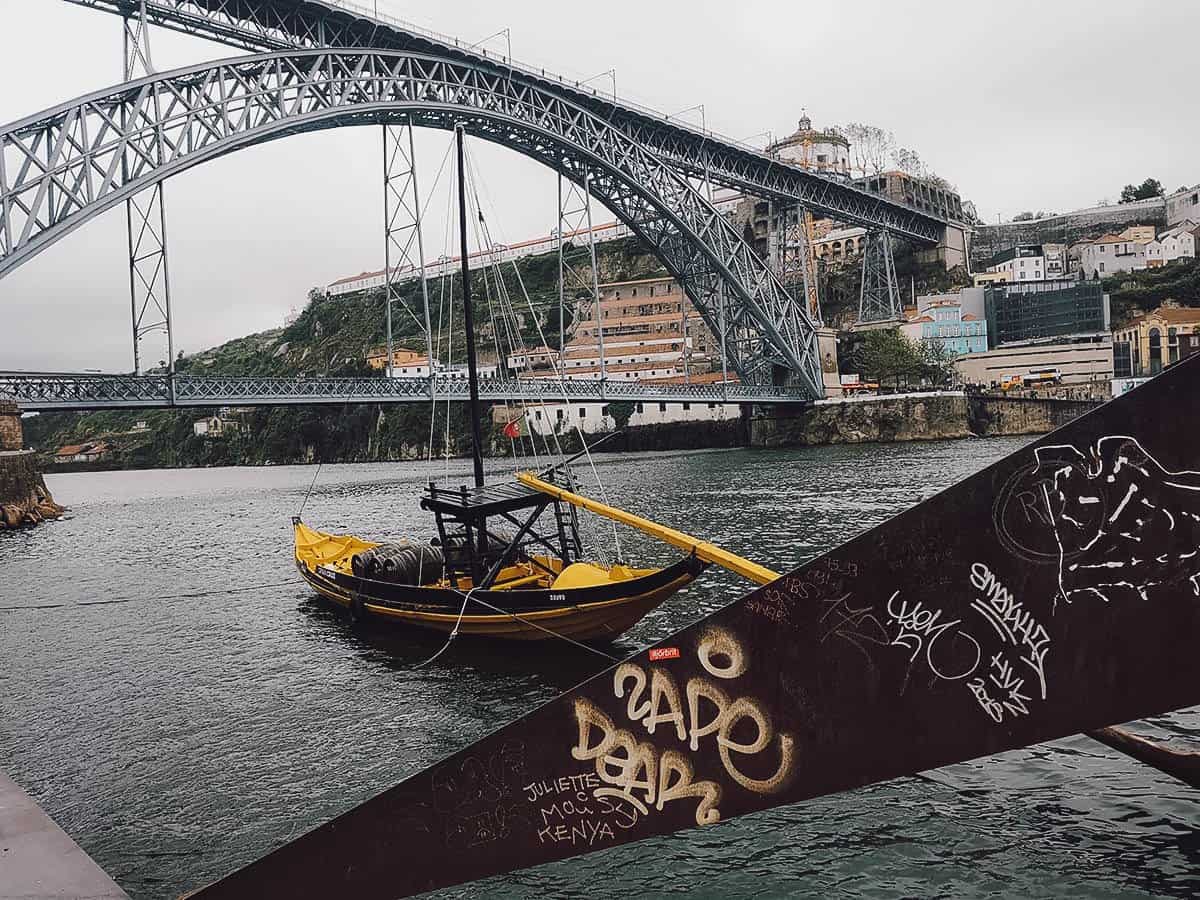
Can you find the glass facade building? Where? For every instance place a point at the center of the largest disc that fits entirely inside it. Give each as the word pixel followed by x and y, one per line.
pixel 1034 311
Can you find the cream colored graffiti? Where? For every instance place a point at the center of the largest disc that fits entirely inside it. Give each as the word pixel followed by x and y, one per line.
pixel 647 776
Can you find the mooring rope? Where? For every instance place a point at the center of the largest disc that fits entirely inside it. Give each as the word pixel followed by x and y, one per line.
pixel 549 631
pixel 453 632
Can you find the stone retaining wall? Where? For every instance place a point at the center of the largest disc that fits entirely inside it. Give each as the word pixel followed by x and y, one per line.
pixel 24 498
pixel 11 437
pixel 992 416
pixel 909 418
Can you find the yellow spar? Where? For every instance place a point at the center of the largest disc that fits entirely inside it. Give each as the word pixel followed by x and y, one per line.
pixel 703 549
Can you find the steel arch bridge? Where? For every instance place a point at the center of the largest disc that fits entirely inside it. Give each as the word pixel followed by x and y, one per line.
pixel 62 167
pixel 259 25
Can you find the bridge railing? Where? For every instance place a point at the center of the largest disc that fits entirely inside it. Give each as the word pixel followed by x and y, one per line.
pixel 69 390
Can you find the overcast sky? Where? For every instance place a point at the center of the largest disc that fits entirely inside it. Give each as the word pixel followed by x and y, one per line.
pixel 1022 105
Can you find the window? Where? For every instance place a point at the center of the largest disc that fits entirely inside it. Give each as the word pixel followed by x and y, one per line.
pixel 687 406
pixel 1101 267
pixel 582 412
pixel 662 407
pixel 639 407
pixel 712 406
pixel 635 292
pixel 538 415
pixel 560 415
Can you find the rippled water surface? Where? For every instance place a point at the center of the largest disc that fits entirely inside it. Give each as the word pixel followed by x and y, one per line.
pixel 178 737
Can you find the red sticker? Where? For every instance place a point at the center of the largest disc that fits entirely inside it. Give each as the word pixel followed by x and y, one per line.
pixel 658 653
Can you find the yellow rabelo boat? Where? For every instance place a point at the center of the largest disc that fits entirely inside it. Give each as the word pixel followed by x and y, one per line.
pixel 479 576
pixel 475 580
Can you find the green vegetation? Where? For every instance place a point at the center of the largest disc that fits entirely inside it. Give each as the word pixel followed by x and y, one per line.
pixel 1133 293
pixel 1149 188
pixel 839 285
pixel 890 359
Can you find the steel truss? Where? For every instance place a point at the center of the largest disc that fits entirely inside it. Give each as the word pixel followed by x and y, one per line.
pixel 65 391
pixel 791 253
pixel 879 294
pixel 146 219
pixel 574 219
pixel 282 24
pixel 403 243
pixel 62 167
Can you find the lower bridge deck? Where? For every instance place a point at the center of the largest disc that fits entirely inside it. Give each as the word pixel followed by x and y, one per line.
pixel 73 391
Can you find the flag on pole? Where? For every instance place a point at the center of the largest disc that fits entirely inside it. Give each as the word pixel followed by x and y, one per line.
pixel 513 429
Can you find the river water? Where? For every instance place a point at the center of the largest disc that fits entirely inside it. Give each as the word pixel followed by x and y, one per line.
pixel 178 737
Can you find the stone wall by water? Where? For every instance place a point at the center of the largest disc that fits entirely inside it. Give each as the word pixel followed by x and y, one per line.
pixel 912 418
pixel 904 418
pixel 991 416
pixel 24 498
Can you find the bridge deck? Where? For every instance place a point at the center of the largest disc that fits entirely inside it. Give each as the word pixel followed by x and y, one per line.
pixel 73 391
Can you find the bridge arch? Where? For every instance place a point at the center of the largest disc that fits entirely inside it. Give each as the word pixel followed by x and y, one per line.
pixel 64 166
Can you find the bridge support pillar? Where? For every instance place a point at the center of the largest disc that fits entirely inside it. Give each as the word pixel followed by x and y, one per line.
pixel 575 219
pixel 403 243
pixel 12 435
pixel 879 294
pixel 827 348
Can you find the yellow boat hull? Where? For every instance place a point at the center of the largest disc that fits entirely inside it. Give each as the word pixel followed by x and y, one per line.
pixel 584 602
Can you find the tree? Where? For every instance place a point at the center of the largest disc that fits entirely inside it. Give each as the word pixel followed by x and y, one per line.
pixel 1026 216
pixel 870 147
pixel 937 363
pixel 1149 188
pixel 970 214
pixel 887 355
pixel 909 162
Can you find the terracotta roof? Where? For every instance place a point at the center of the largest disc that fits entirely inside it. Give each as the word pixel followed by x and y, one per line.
pixel 920 319
pixel 970 317
pixel 1172 315
pixel 587 352
pixel 704 378
pixel 621 367
pixel 651 319
pixel 72 449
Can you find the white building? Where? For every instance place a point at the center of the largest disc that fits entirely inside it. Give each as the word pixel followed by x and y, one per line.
pixel 1182 206
pixel 1025 262
pixel 536 358
pixel 595 418
pixel 499 253
pixel 1173 244
pixel 1124 252
pixel 826 151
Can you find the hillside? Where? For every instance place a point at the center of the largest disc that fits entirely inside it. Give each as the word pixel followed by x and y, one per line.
pixel 333 335
pixel 1133 293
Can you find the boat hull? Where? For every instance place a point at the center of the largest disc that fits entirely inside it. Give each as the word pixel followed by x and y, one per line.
pixel 597 613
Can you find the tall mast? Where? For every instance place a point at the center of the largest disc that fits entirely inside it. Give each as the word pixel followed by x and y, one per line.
pixel 469 316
